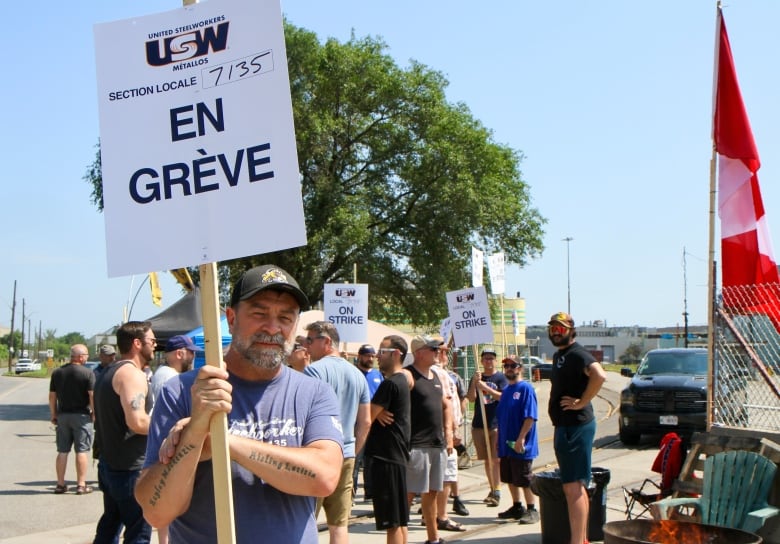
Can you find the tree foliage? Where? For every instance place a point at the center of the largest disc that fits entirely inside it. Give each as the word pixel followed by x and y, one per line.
pixel 633 354
pixel 396 182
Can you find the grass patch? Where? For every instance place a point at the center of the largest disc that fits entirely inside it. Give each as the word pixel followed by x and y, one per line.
pixel 42 373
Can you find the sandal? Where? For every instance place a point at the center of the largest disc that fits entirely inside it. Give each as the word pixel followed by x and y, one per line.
pixel 83 489
pixel 60 489
pixel 449 525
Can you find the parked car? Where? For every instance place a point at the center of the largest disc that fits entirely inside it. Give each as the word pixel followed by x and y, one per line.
pixel 537 363
pixel 27 365
pixel 667 393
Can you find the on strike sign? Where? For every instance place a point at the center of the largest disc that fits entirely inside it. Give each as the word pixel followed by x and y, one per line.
pixel 470 316
pixel 197 141
pixel 346 306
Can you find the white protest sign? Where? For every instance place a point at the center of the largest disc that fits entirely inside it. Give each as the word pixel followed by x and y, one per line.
pixel 346 306
pixel 477 265
pixel 470 316
pixel 445 329
pixel 496 271
pixel 197 142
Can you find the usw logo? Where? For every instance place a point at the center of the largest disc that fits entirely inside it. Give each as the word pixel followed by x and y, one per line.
pixel 187 46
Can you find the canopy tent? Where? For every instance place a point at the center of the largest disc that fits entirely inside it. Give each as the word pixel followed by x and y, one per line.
pixel 181 317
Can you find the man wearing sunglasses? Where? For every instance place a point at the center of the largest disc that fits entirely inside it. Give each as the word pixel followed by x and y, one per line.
pixel 388 441
pixel 576 379
pixel 299 359
pixel 431 437
pixel 518 445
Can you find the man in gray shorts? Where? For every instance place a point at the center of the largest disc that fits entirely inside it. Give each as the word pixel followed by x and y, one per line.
pixel 431 438
pixel 72 411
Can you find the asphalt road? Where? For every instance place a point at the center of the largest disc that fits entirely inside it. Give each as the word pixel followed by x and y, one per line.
pixel 28 449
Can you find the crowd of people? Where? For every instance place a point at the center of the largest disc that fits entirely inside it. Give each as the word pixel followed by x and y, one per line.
pixel 302 423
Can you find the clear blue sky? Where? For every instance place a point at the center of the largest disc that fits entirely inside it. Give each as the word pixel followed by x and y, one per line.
pixel 610 102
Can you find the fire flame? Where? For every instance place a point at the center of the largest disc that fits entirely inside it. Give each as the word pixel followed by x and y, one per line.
pixel 672 532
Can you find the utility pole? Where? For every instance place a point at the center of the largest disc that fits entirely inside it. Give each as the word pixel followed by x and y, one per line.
pixel 11 343
pixel 21 348
pixel 568 239
pixel 685 298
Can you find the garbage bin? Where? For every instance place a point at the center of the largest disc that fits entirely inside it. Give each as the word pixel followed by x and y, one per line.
pixel 554 512
pixel 597 515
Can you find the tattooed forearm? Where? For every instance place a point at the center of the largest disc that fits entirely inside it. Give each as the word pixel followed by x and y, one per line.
pixel 138 402
pixel 266 459
pixel 159 486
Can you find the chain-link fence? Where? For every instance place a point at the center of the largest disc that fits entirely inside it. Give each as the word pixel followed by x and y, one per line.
pixel 746 369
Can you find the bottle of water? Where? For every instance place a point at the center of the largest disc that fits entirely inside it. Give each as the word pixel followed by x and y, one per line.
pixel 511 444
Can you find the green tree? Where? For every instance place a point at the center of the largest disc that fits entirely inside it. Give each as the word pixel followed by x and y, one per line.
pixel 17 341
pixel 396 181
pixel 633 353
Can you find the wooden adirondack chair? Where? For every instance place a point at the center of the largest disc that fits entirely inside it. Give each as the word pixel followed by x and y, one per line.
pixel 736 486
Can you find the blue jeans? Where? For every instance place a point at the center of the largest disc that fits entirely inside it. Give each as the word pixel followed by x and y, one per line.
pixel 120 508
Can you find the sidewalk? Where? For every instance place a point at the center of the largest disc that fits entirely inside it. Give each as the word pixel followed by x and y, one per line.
pixel 628 467
pixel 481 525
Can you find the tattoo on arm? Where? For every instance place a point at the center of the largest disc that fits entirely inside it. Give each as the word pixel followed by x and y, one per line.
pixel 265 459
pixel 159 486
pixel 138 402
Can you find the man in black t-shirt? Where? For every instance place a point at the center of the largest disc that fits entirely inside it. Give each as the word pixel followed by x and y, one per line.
pixel 576 379
pixel 388 441
pixel 431 432
pixel 72 411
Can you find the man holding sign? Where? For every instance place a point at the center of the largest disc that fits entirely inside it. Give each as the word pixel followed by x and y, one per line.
pixel 285 438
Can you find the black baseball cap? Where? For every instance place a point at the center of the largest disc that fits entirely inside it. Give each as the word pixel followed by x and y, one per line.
pixel 264 277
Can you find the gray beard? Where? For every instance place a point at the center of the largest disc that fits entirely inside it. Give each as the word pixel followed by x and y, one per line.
pixel 263 358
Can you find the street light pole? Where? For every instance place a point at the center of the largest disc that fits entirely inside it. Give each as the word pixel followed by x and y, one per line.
pixel 568 239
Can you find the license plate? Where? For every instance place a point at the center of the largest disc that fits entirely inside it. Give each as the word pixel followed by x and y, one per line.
pixel 668 420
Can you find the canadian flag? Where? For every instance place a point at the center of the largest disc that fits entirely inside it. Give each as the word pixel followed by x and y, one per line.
pixel 746 248
pixel 749 271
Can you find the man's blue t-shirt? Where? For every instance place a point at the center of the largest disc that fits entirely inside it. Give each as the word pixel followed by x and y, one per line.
pixel 518 402
pixel 351 390
pixel 373 378
pixel 290 410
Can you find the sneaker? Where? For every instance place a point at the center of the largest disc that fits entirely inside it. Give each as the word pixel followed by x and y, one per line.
pixel 440 541
pixel 488 498
pixel 516 511
pixel 530 516
pixel 493 500
pixel 458 507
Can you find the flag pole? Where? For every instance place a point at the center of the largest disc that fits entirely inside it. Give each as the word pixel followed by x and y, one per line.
pixel 712 214
pixel 503 323
pixel 485 428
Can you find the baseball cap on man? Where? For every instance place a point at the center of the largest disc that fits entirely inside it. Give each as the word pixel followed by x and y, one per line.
pixel 563 318
pixel 179 342
pixel 107 349
pixel 424 341
pixel 265 277
pixel 366 349
pixel 489 351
